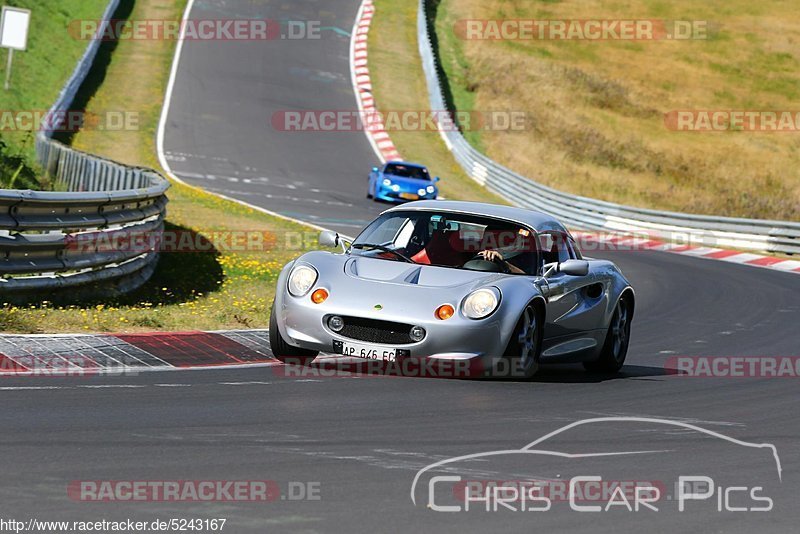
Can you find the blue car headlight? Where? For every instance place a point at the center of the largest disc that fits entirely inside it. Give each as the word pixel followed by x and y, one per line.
pixel 430 189
pixel 387 182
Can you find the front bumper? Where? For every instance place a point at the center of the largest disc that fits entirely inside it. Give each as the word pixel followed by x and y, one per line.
pixel 386 194
pixel 465 344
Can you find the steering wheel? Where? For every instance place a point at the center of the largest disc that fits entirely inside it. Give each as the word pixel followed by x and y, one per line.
pixel 479 263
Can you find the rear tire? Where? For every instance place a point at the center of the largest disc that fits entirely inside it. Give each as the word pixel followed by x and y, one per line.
pixel 284 352
pixel 615 348
pixel 525 346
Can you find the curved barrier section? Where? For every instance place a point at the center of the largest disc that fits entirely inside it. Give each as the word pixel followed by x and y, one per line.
pixel 581 212
pixel 105 228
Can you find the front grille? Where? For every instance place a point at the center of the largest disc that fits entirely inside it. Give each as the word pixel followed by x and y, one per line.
pixel 373 331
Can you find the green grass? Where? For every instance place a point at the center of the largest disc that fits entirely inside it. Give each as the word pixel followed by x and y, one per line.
pixel 37 76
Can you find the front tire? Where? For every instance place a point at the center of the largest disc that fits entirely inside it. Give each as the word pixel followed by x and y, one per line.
pixel 525 346
pixel 615 348
pixel 284 352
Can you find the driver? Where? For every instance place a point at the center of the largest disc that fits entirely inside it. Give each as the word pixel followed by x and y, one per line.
pixel 511 243
pixel 496 257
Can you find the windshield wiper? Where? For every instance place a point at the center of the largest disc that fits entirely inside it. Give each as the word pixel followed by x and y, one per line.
pixel 384 248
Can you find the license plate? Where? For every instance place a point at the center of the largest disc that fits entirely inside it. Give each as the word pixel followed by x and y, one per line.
pixel 409 196
pixel 368 352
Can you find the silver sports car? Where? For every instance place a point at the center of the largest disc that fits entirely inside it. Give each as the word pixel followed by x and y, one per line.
pixel 495 289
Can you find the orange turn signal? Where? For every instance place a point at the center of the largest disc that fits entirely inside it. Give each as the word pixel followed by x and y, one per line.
pixel 445 311
pixel 319 296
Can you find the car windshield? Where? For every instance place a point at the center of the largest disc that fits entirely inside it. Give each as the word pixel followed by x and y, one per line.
pixel 407 171
pixel 450 240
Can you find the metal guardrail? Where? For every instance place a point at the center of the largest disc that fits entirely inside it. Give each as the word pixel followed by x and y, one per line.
pixel 586 213
pixel 104 199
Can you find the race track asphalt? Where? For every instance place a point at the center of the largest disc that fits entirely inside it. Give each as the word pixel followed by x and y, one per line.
pixel 223 130
pixel 362 438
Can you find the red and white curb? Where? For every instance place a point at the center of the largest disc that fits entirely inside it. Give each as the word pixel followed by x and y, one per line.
pixel 597 241
pixel 374 129
pixel 90 354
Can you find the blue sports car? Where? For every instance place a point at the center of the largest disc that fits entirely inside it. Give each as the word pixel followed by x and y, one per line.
pixel 400 181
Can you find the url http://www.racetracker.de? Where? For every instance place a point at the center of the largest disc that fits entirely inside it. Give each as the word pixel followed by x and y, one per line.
pixel 105 525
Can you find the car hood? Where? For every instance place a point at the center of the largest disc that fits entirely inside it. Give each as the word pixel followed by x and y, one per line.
pixel 410 274
pixel 362 271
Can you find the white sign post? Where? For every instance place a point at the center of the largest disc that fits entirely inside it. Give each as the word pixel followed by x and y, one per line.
pixel 14 25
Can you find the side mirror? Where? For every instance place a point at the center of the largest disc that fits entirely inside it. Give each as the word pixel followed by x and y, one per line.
pixel 574 267
pixel 436 179
pixel 569 267
pixel 374 169
pixel 329 238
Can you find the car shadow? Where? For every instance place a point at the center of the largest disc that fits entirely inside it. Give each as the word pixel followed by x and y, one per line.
pixel 566 374
pixel 575 374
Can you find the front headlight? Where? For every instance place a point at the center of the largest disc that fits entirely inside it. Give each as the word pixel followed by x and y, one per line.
pixel 301 280
pixel 387 182
pixel 481 303
pixel 430 189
